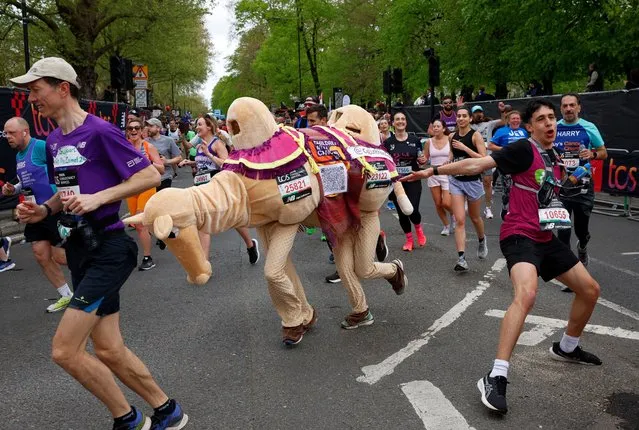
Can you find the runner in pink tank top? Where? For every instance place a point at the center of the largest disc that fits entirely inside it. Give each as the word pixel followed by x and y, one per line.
pixel 437 151
pixel 529 245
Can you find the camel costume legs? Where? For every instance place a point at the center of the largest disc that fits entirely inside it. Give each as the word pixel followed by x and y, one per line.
pixel 284 285
pixel 354 257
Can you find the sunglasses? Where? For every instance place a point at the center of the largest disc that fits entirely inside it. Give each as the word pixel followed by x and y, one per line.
pixel 133 127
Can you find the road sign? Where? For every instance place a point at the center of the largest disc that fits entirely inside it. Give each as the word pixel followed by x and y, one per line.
pixel 140 71
pixel 140 99
pixel 141 76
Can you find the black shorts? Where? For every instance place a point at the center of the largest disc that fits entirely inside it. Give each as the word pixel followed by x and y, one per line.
pixel 551 258
pixel 166 183
pixel 98 275
pixel 47 229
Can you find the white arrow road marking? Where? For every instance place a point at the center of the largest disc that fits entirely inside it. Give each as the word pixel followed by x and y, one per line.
pixel 434 409
pixel 374 373
pixel 608 304
pixel 556 324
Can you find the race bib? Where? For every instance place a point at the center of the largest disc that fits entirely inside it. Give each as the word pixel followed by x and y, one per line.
pixel 202 178
pixel 28 195
pixel 294 185
pixel 334 178
pixel 554 217
pixel 363 151
pixel 380 179
pixel 404 170
pixel 571 163
pixel 67 183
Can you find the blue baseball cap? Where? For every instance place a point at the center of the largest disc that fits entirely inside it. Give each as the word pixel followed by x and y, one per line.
pixel 476 108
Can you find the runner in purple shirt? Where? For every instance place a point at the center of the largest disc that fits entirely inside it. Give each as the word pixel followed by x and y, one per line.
pixel 94 168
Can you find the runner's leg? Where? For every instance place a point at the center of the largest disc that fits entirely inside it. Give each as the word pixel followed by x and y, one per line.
pixel 69 352
pixel 459 212
pixel 42 250
pixel 524 278
pixel 110 350
pixel 586 291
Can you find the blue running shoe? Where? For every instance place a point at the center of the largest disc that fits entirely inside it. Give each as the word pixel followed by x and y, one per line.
pixel 173 421
pixel 6 265
pixel 390 206
pixel 6 245
pixel 140 422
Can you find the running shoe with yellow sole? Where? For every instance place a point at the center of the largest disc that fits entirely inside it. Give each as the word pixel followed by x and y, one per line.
pixel 60 305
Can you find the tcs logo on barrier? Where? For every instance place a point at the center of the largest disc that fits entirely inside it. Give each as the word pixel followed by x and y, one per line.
pixel 623 175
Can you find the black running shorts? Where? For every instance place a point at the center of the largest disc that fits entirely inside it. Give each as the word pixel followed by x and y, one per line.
pixel 98 275
pixel 551 258
pixel 47 229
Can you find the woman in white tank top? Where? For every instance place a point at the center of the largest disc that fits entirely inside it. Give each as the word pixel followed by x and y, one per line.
pixel 437 150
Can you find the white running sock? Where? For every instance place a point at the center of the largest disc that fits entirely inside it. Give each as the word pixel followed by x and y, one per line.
pixel 568 343
pixel 65 291
pixel 500 368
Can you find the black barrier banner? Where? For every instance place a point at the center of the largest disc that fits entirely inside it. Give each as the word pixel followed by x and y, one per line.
pixel 615 113
pixel 13 102
pixel 621 173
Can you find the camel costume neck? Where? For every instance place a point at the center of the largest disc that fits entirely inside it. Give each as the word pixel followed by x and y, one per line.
pixel 222 204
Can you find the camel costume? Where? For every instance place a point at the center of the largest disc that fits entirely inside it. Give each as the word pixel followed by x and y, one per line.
pixel 275 180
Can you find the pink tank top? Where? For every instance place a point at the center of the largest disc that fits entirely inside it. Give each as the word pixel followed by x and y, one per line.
pixel 438 156
pixel 523 217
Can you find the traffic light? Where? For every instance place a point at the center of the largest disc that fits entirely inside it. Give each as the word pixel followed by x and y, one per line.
pixel 117 72
pixel 397 85
pixel 128 74
pixel 433 71
pixel 387 82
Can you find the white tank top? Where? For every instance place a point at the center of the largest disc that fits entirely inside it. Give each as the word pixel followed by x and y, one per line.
pixel 438 156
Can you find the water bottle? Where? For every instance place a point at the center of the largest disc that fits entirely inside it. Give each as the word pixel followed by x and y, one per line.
pixel 579 173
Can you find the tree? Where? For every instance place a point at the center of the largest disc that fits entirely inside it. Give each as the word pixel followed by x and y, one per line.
pixel 86 32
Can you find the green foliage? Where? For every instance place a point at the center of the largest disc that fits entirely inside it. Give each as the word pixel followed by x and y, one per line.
pixel 168 36
pixel 479 42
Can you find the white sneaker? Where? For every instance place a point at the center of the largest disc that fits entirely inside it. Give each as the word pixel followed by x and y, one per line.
pixel 489 213
pixel 445 231
pixel 482 249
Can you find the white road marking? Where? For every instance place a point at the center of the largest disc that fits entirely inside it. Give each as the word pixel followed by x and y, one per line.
pixel 620 269
pixel 608 304
pixel 630 253
pixel 535 335
pixel 434 409
pixel 374 373
pixel 560 324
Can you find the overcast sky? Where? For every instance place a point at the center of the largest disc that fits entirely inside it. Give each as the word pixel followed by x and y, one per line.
pixel 218 23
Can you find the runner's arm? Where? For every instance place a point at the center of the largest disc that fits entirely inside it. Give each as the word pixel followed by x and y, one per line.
pixel 154 156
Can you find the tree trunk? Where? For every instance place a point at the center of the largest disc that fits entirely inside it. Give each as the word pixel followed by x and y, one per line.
pixel 546 81
pixel 88 78
pixel 501 90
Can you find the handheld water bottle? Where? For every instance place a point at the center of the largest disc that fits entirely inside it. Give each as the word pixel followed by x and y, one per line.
pixel 579 173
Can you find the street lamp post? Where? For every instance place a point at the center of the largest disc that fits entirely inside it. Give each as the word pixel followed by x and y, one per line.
pixel 299 48
pixel 25 34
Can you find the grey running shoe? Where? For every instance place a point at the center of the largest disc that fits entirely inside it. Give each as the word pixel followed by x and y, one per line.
pixel 582 253
pixel 578 356
pixel 493 392
pixel 147 264
pixel 462 265
pixel 482 249
pixel 334 278
pixel 254 252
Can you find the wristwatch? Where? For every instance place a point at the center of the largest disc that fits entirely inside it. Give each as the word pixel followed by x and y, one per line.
pixel 48 208
pixel 594 154
pixel 435 170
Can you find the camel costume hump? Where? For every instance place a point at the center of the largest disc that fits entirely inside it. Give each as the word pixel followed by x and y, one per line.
pixel 272 164
pixel 362 126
